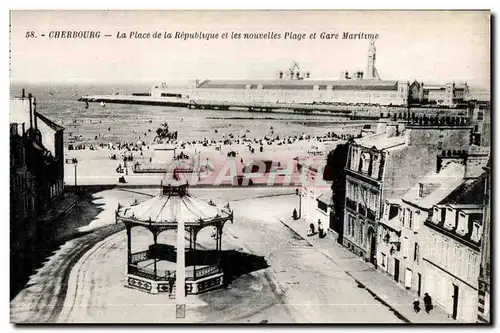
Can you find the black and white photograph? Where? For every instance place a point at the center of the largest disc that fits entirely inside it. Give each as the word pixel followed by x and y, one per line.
pixel 250 167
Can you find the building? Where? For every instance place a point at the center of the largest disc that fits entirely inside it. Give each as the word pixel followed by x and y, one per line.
pixel 484 282
pixel 451 261
pixel 23 226
pixel 335 172
pixel 385 165
pixel 37 179
pixel 292 87
pixel 44 143
pixel 449 94
pixel 350 91
pixel 315 193
pixel 400 245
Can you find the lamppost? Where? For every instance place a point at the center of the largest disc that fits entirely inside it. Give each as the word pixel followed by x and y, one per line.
pixel 74 161
pixel 297 192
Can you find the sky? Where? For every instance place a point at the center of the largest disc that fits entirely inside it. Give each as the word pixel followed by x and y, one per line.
pixel 430 46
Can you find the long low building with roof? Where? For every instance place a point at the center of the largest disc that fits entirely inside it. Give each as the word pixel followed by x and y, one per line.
pixel 293 91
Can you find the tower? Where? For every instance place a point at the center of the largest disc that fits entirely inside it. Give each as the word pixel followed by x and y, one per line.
pixel 371 70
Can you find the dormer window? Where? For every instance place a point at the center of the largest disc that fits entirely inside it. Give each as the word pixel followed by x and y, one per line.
pixel 436 216
pixel 476 232
pixel 450 218
pixel 462 227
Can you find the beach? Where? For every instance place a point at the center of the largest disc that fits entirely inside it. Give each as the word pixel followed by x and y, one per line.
pixel 202 135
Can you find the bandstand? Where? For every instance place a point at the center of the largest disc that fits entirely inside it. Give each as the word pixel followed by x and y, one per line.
pixel 172 208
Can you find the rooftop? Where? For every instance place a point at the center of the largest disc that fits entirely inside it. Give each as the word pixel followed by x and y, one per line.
pixel 166 209
pixel 298 84
pixel 470 191
pixel 436 186
pixel 49 122
pixel 326 198
pixel 381 141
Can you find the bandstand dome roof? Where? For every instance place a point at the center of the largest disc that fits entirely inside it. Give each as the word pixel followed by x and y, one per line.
pixel 172 205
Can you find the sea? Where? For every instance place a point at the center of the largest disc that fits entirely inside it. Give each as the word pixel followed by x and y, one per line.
pixel 130 123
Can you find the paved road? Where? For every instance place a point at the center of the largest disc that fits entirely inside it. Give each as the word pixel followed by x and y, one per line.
pixel 300 284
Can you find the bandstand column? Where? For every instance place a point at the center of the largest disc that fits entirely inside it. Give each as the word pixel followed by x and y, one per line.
pixel 155 239
pixel 129 243
pixel 195 256
pixel 191 238
pixel 219 243
pixel 180 281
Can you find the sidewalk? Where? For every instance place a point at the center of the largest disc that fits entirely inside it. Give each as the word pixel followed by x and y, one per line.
pixel 385 290
pixel 62 205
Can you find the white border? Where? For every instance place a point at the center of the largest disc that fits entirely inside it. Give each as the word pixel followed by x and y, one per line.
pixel 185 4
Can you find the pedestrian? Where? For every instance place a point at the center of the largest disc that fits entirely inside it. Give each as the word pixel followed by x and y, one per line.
pixel 416 305
pixel 428 302
pixel 310 231
pixel 320 229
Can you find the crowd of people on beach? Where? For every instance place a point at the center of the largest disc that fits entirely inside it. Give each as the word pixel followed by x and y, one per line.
pixel 142 157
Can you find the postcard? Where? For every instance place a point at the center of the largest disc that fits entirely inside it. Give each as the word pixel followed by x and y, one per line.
pixel 251 167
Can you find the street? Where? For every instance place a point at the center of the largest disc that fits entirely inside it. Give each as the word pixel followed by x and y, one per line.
pixel 300 284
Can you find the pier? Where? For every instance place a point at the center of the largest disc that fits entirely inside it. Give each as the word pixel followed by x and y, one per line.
pixel 215 105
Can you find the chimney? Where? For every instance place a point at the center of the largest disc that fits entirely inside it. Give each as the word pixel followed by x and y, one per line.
pixel 23 95
pixel 13 129
pixel 420 190
pixel 31 111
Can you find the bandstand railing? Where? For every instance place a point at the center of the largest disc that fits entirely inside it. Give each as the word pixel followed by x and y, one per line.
pixel 202 272
pixel 148 273
pixel 139 256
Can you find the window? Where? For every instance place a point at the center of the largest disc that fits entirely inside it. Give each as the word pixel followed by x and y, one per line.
pixel 444 254
pixel 405 247
pixel 416 221
pixel 361 230
pixel 410 219
pixel 470 267
pixel 416 253
pixel 365 162
pixel 384 259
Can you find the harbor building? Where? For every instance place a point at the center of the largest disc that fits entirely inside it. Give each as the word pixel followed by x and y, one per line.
pixel 451 261
pixel 295 87
pixel 449 94
pixel 390 93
